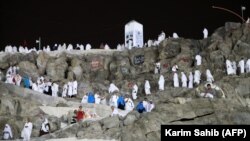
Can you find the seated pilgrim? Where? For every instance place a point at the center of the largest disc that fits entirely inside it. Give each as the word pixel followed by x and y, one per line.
pixel 209 92
pixel 121 102
pixel 45 129
pixel 7 132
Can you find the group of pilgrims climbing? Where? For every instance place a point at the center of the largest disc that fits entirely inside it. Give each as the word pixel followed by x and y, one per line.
pixel 117 101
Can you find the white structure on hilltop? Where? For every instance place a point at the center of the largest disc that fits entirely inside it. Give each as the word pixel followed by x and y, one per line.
pixel 133 35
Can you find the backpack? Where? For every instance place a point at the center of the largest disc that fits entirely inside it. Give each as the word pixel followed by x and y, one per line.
pixel 140 108
pixel 91 98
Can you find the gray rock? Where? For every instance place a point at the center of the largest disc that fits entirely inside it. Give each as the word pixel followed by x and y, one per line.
pixel 28 68
pixel 56 68
pixel 130 119
pixel 41 62
pixel 110 122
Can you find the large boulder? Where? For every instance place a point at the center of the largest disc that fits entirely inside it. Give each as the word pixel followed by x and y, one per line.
pixel 41 62
pixel 56 68
pixel 110 122
pixel 242 49
pixel 169 49
pixel 28 68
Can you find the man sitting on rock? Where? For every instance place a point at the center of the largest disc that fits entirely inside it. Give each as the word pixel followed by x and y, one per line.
pixel 121 102
pixel 150 106
pixel 209 92
pixel 80 114
pixel 140 108
pixel 45 127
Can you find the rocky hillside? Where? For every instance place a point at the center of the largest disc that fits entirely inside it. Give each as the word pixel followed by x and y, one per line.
pixel 95 70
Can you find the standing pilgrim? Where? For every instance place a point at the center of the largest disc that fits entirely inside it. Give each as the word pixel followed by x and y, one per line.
pixel 198 60
pixel 97 98
pixel 129 106
pixel 183 80
pixel 113 100
pixel 70 88
pixel 65 89
pixel 229 67
pixel 161 83
pixel 45 129
pixel 248 66
pixel 75 88
pixel 197 77
pixel 175 35
pixel 54 89
pixel 205 33
pixel 9 78
pixel 7 132
pixel 210 77
pixel 27 130
pixel 234 67
pixel 157 68
pixel 134 91
pixel 176 80
pixel 242 66
pixel 18 79
pixel 147 87
pixel 84 99
pixel 191 80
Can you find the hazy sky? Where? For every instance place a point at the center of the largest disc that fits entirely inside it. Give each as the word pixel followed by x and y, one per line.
pixel 95 22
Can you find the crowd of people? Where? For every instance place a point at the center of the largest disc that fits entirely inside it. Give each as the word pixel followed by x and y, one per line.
pixel 27 130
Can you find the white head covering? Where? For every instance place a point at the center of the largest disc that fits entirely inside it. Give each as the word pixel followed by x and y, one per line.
pixel 8 129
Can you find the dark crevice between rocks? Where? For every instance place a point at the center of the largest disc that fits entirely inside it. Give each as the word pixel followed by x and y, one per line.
pixel 150 132
pixel 191 119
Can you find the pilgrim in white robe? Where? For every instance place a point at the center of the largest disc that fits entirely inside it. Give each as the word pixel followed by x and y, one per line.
pixel 248 66
pixel 97 99
pixel 88 47
pixel 84 99
pixel 205 33
pixel 183 80
pixel 157 67
pixel 129 106
pixel 75 88
pixel 176 80
pixel 70 88
pixel 198 60
pixel 27 130
pixel 147 87
pixel 234 66
pixel 134 91
pixel 190 80
pixel 174 68
pixel 112 88
pixel 229 66
pixel 34 87
pixel 113 100
pixel 65 90
pixel 210 77
pixel 175 35
pixel 242 66
pixel 7 132
pixel 54 89
pixel 161 83
pixel 197 77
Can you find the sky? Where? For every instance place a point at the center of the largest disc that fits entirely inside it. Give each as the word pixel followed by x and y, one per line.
pixel 103 21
